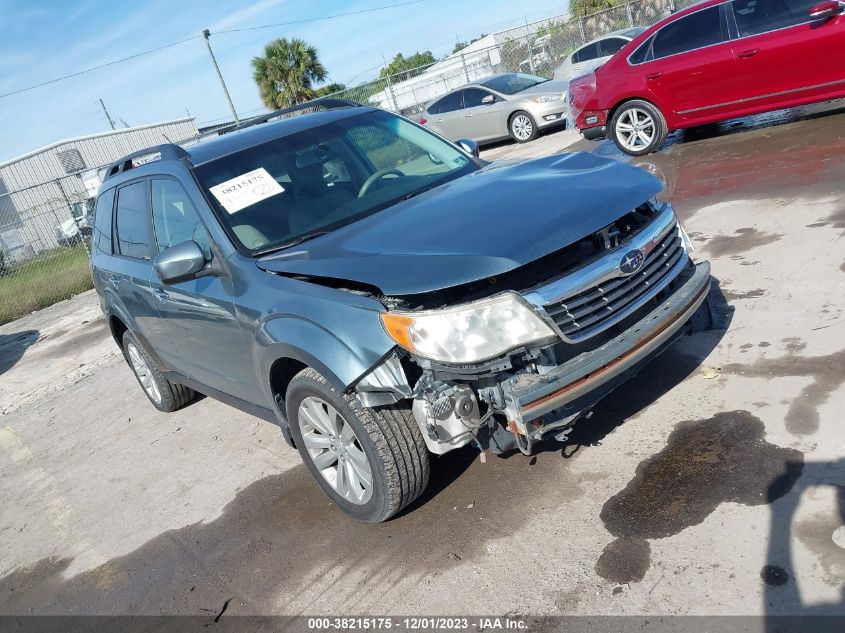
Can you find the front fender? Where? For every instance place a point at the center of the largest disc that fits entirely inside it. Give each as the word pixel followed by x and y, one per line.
pixel 342 359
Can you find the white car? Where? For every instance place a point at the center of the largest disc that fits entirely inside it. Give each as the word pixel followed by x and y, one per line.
pixel 593 54
pixel 78 226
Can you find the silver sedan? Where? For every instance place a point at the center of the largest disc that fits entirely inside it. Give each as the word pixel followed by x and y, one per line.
pixel 509 104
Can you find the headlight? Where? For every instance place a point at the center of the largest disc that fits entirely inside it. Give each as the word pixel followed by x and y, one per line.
pixel 546 98
pixel 468 333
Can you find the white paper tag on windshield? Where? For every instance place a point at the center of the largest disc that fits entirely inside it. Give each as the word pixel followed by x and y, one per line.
pixel 243 191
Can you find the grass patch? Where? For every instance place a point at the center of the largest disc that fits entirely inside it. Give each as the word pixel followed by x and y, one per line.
pixel 41 282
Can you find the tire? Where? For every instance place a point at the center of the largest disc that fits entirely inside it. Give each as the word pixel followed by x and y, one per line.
pixel 387 439
pixel 164 395
pixel 522 127
pixel 650 132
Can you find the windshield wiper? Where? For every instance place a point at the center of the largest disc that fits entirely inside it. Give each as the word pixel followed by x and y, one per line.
pixel 294 242
pixel 417 192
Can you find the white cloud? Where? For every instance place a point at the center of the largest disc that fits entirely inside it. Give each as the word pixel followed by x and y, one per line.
pixel 243 16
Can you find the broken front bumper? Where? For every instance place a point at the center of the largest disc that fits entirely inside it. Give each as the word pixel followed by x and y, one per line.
pixel 531 396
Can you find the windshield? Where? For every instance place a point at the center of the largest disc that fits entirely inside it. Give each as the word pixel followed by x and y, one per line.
pixel 512 83
pixel 632 33
pixel 288 189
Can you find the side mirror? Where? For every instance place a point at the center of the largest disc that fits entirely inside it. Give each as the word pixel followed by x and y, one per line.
pixel 825 10
pixel 468 145
pixel 488 99
pixel 179 262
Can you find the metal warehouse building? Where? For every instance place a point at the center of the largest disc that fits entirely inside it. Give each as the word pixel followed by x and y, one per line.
pixel 39 189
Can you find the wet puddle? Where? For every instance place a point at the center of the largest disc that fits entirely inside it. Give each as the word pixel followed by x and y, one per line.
pixel 774 575
pixel 705 463
pixel 742 240
pixel 818 534
pixel 828 373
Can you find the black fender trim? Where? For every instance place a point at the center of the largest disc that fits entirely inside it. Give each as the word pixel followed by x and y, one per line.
pixel 260 412
pixel 594 133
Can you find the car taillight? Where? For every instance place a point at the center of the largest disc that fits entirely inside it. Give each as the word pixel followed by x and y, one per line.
pixel 581 89
pixel 422 121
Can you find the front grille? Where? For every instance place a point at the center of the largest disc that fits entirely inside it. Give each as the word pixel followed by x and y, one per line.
pixel 590 311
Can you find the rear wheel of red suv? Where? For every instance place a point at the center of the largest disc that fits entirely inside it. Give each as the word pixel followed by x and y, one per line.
pixel 638 128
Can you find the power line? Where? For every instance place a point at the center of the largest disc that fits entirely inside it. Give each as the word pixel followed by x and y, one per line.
pixel 325 17
pixel 188 39
pixel 93 68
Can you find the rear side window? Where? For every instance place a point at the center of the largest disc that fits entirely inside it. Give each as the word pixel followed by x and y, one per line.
pixel 760 16
pixel 449 103
pixel 696 30
pixel 132 221
pixel 175 217
pixel 590 51
pixel 610 46
pixel 643 52
pixel 103 222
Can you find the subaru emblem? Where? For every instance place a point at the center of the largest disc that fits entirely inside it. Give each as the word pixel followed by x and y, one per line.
pixel 632 261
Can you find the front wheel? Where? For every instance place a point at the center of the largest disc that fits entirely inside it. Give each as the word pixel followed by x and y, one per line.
pixel 370 462
pixel 638 128
pixel 522 127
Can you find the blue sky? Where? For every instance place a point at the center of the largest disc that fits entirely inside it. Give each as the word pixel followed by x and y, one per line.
pixel 43 40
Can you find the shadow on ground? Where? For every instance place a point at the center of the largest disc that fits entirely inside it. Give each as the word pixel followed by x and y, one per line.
pixel 281 539
pixel 13 346
pixel 821 534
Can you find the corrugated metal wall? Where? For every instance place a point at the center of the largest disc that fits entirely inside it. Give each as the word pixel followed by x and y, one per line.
pixel 43 165
pixel 37 190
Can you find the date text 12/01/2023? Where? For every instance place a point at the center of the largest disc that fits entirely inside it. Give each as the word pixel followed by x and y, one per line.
pixel 425 623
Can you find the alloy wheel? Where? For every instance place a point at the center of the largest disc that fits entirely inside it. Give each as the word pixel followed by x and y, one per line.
pixel 335 450
pixel 522 127
pixel 635 129
pixel 142 371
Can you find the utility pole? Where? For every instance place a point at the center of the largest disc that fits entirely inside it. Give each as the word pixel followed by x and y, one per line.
pixel 389 85
pixel 205 35
pixel 111 123
pixel 528 35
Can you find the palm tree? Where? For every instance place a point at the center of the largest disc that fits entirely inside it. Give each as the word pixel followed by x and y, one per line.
pixel 286 72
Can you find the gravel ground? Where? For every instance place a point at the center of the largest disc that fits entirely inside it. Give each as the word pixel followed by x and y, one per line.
pixel 711 484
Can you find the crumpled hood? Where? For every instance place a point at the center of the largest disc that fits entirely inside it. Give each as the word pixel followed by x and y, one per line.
pixel 481 225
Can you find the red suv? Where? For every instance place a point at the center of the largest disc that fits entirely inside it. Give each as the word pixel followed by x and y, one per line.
pixel 713 61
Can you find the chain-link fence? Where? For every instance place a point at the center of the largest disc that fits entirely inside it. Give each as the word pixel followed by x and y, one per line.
pixel 44 227
pixel 45 230
pixel 536 48
pixel 43 251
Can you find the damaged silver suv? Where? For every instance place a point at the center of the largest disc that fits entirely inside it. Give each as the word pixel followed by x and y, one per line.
pixel 384 295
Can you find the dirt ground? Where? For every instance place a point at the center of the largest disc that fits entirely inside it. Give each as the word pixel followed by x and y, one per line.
pixel 713 483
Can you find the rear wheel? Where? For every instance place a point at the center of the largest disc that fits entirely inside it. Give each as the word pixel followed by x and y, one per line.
pixel 522 127
pixel 638 128
pixel 370 462
pixel 165 395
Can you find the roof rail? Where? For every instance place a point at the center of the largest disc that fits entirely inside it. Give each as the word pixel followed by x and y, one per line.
pixel 166 151
pixel 329 103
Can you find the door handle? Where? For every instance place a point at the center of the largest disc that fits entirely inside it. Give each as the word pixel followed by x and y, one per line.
pixel 751 52
pixel 161 295
pixel 656 75
pixel 468 114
